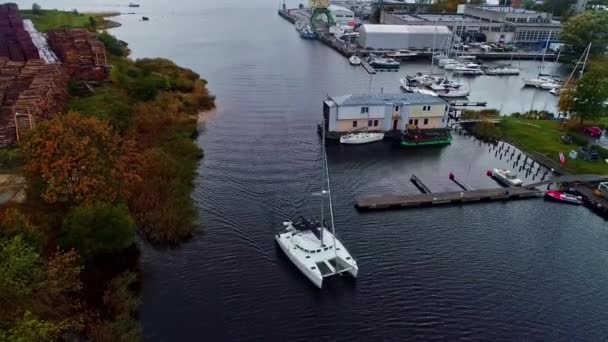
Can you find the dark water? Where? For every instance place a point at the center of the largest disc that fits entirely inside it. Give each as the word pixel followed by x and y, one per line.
pixel 524 270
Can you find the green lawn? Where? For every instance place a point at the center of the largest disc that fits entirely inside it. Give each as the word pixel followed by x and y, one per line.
pixel 52 19
pixel 542 136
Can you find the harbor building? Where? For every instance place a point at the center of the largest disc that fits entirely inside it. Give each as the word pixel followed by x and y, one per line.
pixel 341 15
pixel 414 37
pixel 384 112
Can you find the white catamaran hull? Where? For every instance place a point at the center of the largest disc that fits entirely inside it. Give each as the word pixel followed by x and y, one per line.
pixel 313 276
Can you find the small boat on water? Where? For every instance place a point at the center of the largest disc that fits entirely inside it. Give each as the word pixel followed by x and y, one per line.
pixel 354 60
pixel 307 33
pixel 412 87
pixel 468 69
pixel 550 85
pixel 563 197
pixel 502 71
pixel 557 91
pixel 505 177
pixel 133 5
pixel 452 92
pixel 402 54
pixel 442 62
pixel 357 138
pixel 537 82
pixel 382 63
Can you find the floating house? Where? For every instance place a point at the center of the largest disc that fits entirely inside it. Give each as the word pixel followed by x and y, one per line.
pixel 384 112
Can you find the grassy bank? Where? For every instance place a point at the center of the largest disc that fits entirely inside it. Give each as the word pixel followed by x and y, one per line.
pixel 46 20
pixel 543 138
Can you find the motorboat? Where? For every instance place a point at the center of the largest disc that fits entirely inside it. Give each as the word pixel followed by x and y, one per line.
pixel 452 66
pixel 354 60
pixel 313 248
pixel 550 85
pixel 357 138
pixel 133 5
pixel 300 25
pixel 402 54
pixel 537 82
pixel 442 62
pixel 451 92
pixel 406 85
pixel 505 177
pixel 563 197
pixel 382 63
pixel 307 33
pixel 467 57
pixel 468 69
pixel 424 91
pixel 557 91
pixel 443 84
pixel 502 70
pixel 411 86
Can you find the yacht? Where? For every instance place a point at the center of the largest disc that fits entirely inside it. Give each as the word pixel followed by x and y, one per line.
pixel 452 92
pixel 452 66
pixel 505 176
pixel 357 138
pixel 550 85
pixel 402 54
pixel 468 69
pixel 354 60
pixel 502 70
pixel 133 5
pixel 442 62
pixel 537 82
pixel 382 63
pixel 411 86
pixel 311 246
pixel 307 33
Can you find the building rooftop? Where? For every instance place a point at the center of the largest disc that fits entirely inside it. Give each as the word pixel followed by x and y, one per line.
pixel 386 99
pixel 338 8
pixel 506 9
pixel 405 29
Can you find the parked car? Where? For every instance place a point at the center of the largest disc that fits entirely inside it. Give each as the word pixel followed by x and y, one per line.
pixel 595 132
pixel 566 139
pixel 588 154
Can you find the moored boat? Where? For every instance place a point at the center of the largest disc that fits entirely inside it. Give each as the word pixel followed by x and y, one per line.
pixel 402 54
pixel 452 92
pixel 536 82
pixel 563 197
pixel 357 138
pixel 382 63
pixel 505 177
pixel 502 71
pixel 468 69
pixel 354 60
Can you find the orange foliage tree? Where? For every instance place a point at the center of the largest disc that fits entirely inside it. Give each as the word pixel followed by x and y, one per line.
pixel 74 159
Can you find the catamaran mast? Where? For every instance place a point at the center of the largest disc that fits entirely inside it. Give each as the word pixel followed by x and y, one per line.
pixel 323 183
pixel 331 209
pixel 540 68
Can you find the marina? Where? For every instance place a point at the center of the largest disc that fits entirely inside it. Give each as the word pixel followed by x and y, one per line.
pixel 533 260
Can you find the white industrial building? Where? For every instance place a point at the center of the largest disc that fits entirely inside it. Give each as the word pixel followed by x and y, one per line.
pixel 413 37
pixel 341 15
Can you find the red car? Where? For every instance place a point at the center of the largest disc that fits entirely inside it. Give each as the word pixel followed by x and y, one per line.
pixel 593 131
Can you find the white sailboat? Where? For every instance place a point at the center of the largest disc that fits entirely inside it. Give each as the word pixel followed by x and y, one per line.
pixel 540 80
pixel 502 71
pixel 452 92
pixel 311 247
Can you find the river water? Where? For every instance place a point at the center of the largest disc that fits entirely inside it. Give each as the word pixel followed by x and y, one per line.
pixel 523 270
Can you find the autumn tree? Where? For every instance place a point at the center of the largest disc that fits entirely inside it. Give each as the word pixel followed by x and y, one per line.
pixel 587 98
pixel 73 159
pixel 589 27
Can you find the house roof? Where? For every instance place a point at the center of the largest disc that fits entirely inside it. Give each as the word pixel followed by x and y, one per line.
pixel 386 99
pixel 400 29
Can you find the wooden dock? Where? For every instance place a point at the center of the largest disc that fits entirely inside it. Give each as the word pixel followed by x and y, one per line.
pixel 455 197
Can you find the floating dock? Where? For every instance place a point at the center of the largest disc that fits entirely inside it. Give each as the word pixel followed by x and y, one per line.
pixel 455 197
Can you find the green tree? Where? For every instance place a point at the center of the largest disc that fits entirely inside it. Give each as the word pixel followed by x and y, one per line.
pixel 589 27
pixel 31 328
pixel 587 100
pixel 98 228
pixel 36 9
pixel 529 4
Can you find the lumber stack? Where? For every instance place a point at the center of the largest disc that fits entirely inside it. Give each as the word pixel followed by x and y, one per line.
pixel 83 55
pixel 30 92
pixel 15 42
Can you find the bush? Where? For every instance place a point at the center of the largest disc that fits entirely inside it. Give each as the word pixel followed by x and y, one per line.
pixel 10 159
pixel 98 228
pixel 602 152
pixel 114 46
pixel 485 130
pixel 579 139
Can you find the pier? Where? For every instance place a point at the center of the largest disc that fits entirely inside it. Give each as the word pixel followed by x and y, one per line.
pixel 384 202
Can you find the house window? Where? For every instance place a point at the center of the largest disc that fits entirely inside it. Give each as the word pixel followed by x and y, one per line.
pixel 375 123
pixel 396 108
pixel 426 121
pixel 416 122
pixel 426 108
pixel 411 121
pixel 354 123
pixel 364 109
pixel 369 123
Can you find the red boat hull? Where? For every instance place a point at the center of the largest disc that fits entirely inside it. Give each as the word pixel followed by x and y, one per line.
pixel 562 197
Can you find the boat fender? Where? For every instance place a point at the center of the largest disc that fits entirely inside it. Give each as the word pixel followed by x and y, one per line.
pixel 451 175
pixel 489 173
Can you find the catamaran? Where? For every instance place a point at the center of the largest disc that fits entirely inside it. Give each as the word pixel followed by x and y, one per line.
pixel 311 246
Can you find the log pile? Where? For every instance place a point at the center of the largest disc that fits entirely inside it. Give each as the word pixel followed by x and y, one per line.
pixel 83 55
pixel 15 42
pixel 30 92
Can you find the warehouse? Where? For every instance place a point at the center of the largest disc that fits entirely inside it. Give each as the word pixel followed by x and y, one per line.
pixel 341 15
pixel 413 37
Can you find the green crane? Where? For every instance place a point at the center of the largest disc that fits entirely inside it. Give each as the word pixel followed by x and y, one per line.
pixel 320 7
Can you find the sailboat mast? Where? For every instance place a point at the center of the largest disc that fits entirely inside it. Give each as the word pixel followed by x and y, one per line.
pixel 322 182
pixel 540 68
pixel 586 57
pixel 331 209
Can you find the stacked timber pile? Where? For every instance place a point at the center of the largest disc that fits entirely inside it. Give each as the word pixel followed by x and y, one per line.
pixel 83 55
pixel 15 42
pixel 29 93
